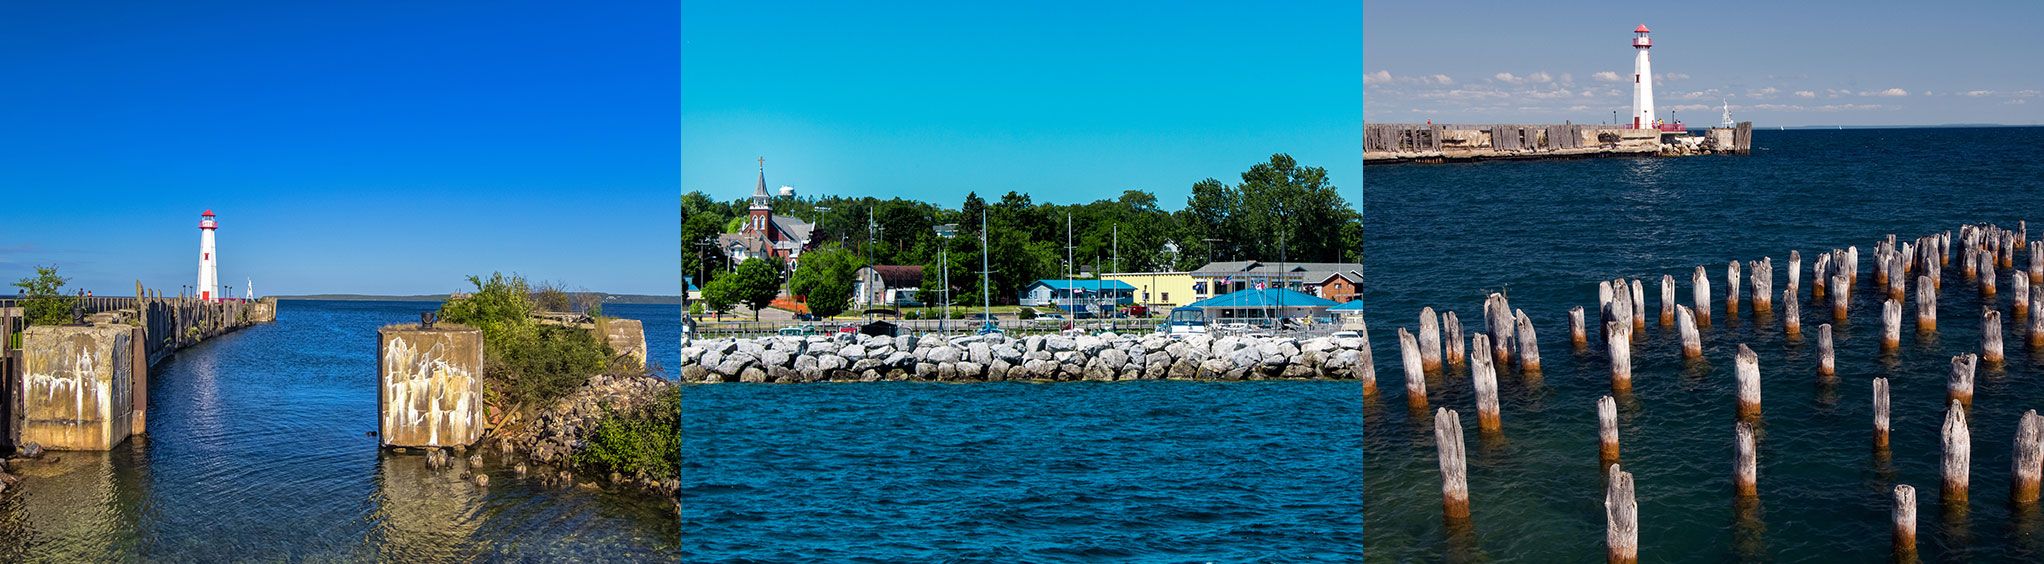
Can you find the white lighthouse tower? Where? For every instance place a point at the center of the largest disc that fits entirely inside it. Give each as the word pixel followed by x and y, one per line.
pixel 209 262
pixel 1642 80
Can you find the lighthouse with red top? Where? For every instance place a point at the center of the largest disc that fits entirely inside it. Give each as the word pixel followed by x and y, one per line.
pixel 209 263
pixel 1642 81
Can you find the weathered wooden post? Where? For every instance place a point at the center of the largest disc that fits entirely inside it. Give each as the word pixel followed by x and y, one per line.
pixel 2036 263
pixel 1621 516
pixel 1483 373
pixel 1692 340
pixel 1745 462
pixel 1881 260
pixel 1367 371
pixel 1960 384
pixel 1898 280
pixel 1970 265
pixel 1762 274
pixel 1529 345
pixel 1841 296
pixel 2019 288
pixel 1732 289
pixel 1451 333
pixel 1577 335
pixel 1415 375
pixel 1701 296
pixel 1818 276
pixel 1795 271
pixel 1987 279
pixel 1429 339
pixel 1880 413
pixel 1851 265
pixel 1639 307
pixel 1607 430
pixel 1667 300
pixel 1605 298
pixel 2028 461
pixel 1827 365
pixel 1926 305
pixel 1748 375
pixel 1958 453
pixel 1792 313
pixel 2037 306
pixel 1891 325
pixel 1454 472
pixel 1621 354
pixel 1905 522
pixel 1497 315
pixel 1990 335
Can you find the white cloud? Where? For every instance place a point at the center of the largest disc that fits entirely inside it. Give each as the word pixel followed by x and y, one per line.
pixel 1508 78
pixel 1606 76
pixel 1978 93
pixel 1848 107
pixel 1892 93
pixel 1379 77
pixel 1540 78
pixel 1764 92
pixel 1442 79
pixel 1805 94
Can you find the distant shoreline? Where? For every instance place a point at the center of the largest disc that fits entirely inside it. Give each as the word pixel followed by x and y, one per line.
pixel 607 298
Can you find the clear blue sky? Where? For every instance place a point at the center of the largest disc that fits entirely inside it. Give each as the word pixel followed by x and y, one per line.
pixel 1776 63
pixel 348 147
pixel 1066 101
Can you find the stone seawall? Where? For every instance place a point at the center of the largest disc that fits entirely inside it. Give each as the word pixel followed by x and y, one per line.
pixel 993 358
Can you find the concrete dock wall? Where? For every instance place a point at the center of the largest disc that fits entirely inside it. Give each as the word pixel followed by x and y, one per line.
pixel 430 385
pixel 75 386
pixel 627 337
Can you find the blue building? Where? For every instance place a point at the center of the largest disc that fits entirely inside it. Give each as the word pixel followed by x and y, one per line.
pixel 1095 296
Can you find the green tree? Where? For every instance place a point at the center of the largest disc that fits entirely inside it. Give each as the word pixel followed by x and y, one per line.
pixel 720 294
pixel 526 363
pixel 45 303
pixel 756 283
pixel 824 277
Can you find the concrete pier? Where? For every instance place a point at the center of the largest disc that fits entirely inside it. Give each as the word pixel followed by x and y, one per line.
pixel 76 386
pixel 430 385
pixel 627 337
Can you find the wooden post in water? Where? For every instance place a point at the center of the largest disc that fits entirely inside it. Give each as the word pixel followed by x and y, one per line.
pixel 1483 373
pixel 1987 279
pixel 1497 315
pixel 1748 375
pixel 2037 312
pixel 1841 296
pixel 2028 461
pixel 1891 325
pixel 1898 280
pixel 1990 336
pixel 1970 265
pixel 2019 288
pixel 1827 365
pixel 1577 334
pixel 2036 263
pixel 1851 265
pixel 1451 327
pixel 1692 340
pixel 1620 348
pixel 1881 413
pixel 1701 297
pixel 1818 276
pixel 1639 307
pixel 1762 274
pixel 1454 472
pixel 1607 430
pixel 1958 459
pixel 1667 300
pixel 1529 345
pixel 1926 305
pixel 1959 385
pixel 1792 313
pixel 1415 375
pixel 1745 462
pixel 1429 339
pixel 1795 271
pixel 1732 289
pixel 1904 517
pixel 1367 372
pixel 1621 518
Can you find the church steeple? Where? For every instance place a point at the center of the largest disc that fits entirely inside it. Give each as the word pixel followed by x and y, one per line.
pixel 762 212
pixel 760 199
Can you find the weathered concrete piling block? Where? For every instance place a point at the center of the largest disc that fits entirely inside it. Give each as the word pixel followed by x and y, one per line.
pixel 1958 459
pixel 1454 465
pixel 1429 339
pixel 1880 413
pixel 1621 518
pixel 76 386
pixel 1959 386
pixel 430 385
pixel 1700 295
pixel 2028 461
pixel 625 336
pixel 1748 374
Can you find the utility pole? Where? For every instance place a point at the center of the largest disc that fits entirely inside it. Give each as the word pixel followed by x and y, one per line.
pixel 945 231
pixel 682 215
pixel 1069 266
pixel 986 292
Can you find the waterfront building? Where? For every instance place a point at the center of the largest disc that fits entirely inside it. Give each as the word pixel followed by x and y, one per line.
pixel 887 285
pixel 766 235
pixel 209 262
pixel 1094 296
pixel 1157 289
pixel 1221 278
pixel 1259 306
pixel 1342 286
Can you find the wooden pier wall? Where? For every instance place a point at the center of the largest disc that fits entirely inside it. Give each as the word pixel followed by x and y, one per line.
pixel 1386 143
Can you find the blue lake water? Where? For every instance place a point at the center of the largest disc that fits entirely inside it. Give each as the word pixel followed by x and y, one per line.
pixel 257 451
pixel 1546 232
pixel 1147 471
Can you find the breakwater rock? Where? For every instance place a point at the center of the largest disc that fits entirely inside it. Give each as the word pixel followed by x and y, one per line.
pixel 549 440
pixel 993 358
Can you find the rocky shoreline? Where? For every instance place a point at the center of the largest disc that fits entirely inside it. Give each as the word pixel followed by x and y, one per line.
pixel 995 358
pixel 543 446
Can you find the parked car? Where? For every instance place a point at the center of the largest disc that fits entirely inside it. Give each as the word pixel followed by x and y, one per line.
pixel 805 317
pixel 1050 317
pixel 797 331
pixel 981 317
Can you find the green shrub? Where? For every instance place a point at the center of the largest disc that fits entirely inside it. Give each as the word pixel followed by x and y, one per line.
pixel 1026 313
pixel 45 303
pixel 641 443
pixel 525 363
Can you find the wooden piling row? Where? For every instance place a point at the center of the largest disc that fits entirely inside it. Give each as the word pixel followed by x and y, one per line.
pixel 1415 373
pixel 1748 375
pixel 1429 339
pixel 1621 517
pixel 1454 467
pixel 1529 344
pixel 1483 373
pixel 1958 460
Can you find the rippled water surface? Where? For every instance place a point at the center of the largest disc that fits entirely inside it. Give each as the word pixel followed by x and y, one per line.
pixel 257 451
pixel 1546 232
pixel 1115 471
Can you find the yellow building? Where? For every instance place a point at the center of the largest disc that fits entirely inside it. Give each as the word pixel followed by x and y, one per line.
pixel 1169 289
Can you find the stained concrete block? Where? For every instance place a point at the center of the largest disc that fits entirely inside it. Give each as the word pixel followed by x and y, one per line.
pixel 626 336
pixel 76 386
pixel 430 391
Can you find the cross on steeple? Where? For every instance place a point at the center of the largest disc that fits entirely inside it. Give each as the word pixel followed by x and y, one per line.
pixel 762 164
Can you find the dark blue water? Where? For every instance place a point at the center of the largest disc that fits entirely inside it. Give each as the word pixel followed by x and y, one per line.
pixel 1155 471
pixel 257 451
pixel 1546 232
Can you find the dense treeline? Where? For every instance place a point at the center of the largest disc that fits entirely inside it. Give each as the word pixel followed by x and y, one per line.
pixel 1244 221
